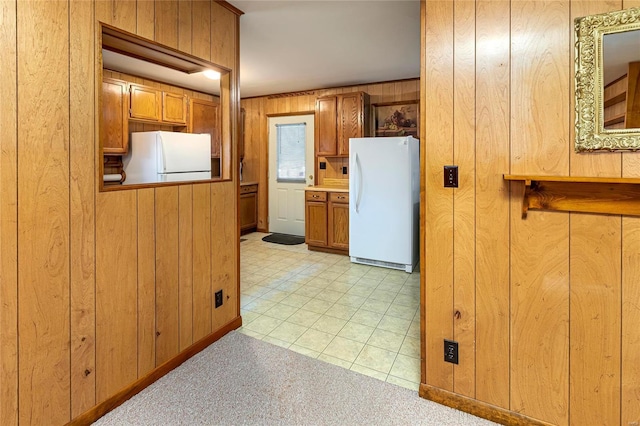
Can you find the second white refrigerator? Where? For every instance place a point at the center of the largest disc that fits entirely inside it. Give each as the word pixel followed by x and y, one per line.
pixel 384 202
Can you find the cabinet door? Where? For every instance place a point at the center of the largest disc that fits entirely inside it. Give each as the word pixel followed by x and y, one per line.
pixel 338 225
pixel 350 120
pixel 248 211
pixel 241 135
pixel 325 126
pixel 316 223
pixel 114 130
pixel 146 103
pixel 205 119
pixel 174 108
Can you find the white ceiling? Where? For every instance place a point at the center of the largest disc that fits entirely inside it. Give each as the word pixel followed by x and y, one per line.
pixel 288 46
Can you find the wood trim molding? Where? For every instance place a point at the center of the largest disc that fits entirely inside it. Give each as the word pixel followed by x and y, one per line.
pixel 119 398
pixel 291 94
pixel 230 7
pixel 477 408
pixel 289 114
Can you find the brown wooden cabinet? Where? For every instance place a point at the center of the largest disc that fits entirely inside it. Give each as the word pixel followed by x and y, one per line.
pixel 327 221
pixel 338 224
pixel 114 128
pixel 205 119
pixel 248 207
pixel 241 135
pixel 145 103
pixel 338 118
pixel 174 108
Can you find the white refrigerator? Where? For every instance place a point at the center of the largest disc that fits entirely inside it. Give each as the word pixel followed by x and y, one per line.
pixel 384 202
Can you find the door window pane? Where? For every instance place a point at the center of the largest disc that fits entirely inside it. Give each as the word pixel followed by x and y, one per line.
pixel 291 148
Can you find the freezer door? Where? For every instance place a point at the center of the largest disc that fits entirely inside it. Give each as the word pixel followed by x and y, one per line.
pixel 183 152
pixel 380 196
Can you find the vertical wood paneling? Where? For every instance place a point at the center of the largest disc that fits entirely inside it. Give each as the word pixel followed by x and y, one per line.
pixel 184 25
pixel 146 281
pixel 167 319
pixel 116 292
pixel 439 209
pixel 43 212
pixel 82 220
pixel 124 14
pixel 145 18
pixel 630 295
pixel 185 264
pixel 166 22
pixel 225 245
pixel 202 26
pixel 223 36
pixel 595 286
pixel 104 11
pixel 539 245
pixel 492 202
pixel 464 197
pixel 202 257
pixel 8 217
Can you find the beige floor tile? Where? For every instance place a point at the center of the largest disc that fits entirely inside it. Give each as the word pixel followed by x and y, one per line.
pixel 347 279
pixel 288 332
pixel 371 283
pixel 318 306
pixel 376 358
pixel 396 277
pixel 245 300
pixel 357 332
pixel 396 325
pixel 304 351
pixel 329 324
pixel 410 347
pixel 319 282
pixel 249 316
pixel 400 311
pixel 410 291
pixel 263 325
pixel 368 318
pixel 375 306
pixel 300 279
pixel 335 361
pixel 407 300
pixel 345 349
pixel 290 287
pixel 351 300
pixel 382 295
pixel 369 372
pixel 341 311
pixel 259 305
pixel 275 295
pixel 251 333
pixel 360 291
pixel 295 300
pixel 304 318
pixel 275 341
pixel 339 287
pixel 257 291
pixel 406 368
pixel 404 383
pixel 414 329
pixel 314 340
pixel 308 291
pixel 330 274
pixel 329 295
pixel 386 340
pixel 376 274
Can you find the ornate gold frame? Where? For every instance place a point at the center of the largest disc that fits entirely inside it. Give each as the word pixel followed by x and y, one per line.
pixel 590 132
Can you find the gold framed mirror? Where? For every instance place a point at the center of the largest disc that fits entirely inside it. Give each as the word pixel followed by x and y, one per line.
pixel 607 81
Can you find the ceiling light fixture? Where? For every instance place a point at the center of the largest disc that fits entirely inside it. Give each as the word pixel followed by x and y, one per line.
pixel 211 74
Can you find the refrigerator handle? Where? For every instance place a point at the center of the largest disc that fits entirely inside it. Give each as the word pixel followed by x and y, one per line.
pixel 358 182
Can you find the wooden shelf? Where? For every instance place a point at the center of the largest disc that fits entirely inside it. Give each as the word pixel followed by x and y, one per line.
pixel 615 120
pixel 580 194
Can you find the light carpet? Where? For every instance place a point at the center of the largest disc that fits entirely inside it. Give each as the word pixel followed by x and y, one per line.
pixel 242 380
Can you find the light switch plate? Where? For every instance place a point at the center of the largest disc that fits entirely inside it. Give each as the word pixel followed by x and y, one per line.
pixel 450 176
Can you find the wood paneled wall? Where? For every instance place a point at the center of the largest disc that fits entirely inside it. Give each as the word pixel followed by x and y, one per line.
pixel 99 288
pixel 256 142
pixel 545 309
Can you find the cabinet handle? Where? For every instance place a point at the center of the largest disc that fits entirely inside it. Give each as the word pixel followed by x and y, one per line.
pixel 315 196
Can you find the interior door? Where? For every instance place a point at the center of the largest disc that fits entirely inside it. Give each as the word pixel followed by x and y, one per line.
pixel 291 159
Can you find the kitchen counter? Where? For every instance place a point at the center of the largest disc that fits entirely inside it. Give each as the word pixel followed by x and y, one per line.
pixel 248 183
pixel 327 188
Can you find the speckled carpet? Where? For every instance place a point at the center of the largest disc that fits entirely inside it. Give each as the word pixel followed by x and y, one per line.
pixel 242 380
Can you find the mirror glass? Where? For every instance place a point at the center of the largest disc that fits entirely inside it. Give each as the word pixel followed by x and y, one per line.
pixel 607 81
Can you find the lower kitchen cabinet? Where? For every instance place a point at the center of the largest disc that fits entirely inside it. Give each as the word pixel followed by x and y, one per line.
pixel 327 221
pixel 248 207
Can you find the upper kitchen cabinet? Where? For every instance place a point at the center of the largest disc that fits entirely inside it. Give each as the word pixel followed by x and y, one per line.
pixel 115 117
pixel 338 118
pixel 205 119
pixel 146 103
pixel 174 108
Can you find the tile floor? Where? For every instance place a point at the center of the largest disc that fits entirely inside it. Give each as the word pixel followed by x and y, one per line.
pixel 359 317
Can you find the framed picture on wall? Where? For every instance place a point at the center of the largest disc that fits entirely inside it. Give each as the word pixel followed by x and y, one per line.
pixel 397 118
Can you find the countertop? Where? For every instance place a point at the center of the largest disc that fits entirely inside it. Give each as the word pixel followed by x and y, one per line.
pixel 327 188
pixel 248 183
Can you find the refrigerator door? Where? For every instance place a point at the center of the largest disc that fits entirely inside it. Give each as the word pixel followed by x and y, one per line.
pixel 183 152
pixel 381 201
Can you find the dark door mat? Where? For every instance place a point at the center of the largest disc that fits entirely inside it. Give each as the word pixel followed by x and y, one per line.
pixel 243 239
pixel 289 240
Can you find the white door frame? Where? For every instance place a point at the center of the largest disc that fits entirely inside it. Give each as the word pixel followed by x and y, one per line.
pixel 286 202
